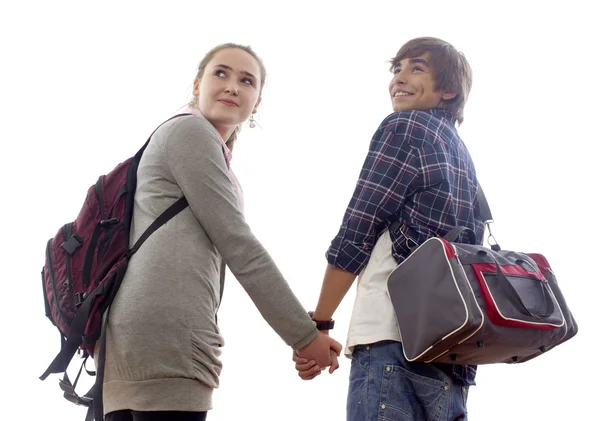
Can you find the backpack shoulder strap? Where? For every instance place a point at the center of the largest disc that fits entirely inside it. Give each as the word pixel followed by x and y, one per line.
pixel 138 155
pixel 164 217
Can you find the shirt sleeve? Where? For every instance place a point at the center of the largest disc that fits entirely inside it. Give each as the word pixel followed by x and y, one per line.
pixel 386 180
pixel 195 158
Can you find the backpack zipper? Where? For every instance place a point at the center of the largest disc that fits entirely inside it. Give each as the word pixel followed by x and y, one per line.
pixel 67 231
pixel 104 243
pixel 100 197
pixel 53 280
pixel 46 303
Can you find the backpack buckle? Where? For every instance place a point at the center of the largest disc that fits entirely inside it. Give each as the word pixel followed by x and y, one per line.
pixel 72 244
pixel 78 400
pixel 108 222
pixel 80 298
pixel 71 396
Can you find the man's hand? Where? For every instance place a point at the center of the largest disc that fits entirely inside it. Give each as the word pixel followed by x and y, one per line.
pixel 334 361
pixel 315 357
pixel 309 369
pixel 323 351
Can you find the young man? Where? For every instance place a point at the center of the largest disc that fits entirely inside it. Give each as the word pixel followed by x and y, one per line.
pixel 417 181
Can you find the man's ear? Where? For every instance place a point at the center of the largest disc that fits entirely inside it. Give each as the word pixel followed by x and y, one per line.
pixel 447 96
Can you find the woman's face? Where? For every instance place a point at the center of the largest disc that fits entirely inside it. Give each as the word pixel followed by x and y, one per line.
pixel 229 90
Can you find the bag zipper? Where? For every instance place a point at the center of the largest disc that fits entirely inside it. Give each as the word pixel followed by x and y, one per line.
pixel 46 303
pixel 104 242
pixel 513 275
pixel 100 197
pixel 67 231
pixel 53 280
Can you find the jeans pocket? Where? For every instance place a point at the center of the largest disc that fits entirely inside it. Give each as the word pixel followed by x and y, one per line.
pixel 409 396
pixel 358 388
pixel 362 356
pixel 465 395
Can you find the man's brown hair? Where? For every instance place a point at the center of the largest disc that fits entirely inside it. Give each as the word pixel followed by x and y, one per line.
pixel 451 70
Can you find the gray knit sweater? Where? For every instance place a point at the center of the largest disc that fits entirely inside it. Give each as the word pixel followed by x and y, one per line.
pixel 162 350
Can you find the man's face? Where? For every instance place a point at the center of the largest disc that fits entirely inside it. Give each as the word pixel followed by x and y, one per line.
pixel 413 85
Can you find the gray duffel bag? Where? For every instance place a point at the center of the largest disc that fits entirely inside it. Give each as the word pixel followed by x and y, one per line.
pixel 468 304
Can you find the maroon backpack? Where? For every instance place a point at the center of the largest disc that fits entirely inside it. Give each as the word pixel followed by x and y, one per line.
pixel 85 264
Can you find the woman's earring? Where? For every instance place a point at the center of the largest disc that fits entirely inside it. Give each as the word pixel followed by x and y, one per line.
pixel 252 123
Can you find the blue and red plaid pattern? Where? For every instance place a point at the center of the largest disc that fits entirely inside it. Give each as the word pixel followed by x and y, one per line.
pixel 419 181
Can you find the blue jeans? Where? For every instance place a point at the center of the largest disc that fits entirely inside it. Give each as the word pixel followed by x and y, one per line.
pixel 386 387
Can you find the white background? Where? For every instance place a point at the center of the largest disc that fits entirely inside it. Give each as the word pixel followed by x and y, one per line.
pixel 82 84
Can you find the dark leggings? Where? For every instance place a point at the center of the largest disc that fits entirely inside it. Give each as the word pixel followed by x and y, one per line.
pixel 155 416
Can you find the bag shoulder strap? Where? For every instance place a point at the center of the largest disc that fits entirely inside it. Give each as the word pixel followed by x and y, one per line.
pixel 485 214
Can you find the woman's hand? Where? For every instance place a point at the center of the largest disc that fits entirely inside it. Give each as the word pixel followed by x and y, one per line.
pixel 310 360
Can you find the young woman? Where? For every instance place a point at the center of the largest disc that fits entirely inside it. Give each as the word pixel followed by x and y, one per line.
pixel 162 349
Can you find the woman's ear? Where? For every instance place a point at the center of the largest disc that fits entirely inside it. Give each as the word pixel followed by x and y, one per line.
pixel 256 105
pixel 196 91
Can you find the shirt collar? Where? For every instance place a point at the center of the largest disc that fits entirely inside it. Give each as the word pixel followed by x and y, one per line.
pixel 443 113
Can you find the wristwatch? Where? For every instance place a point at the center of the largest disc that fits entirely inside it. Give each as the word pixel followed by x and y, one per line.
pixel 322 324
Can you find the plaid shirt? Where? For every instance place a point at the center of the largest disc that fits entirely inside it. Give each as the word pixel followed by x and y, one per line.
pixel 418 181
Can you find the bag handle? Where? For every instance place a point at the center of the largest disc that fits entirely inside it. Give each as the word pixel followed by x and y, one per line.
pixel 513 296
pixel 453 234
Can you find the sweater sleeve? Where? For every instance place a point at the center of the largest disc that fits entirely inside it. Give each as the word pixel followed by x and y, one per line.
pixel 195 158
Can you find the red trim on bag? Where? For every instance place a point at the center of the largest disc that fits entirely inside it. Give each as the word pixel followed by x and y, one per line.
pixel 540 261
pixel 508 270
pixel 492 310
pixel 448 249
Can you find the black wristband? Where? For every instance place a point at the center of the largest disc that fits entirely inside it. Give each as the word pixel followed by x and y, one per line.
pixel 322 324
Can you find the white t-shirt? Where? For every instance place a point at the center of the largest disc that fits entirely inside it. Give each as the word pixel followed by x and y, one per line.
pixel 373 318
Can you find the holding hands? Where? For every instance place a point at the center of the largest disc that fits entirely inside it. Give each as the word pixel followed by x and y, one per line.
pixel 324 351
pixel 316 356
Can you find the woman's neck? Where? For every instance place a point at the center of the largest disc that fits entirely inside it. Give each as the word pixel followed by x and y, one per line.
pixel 224 131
